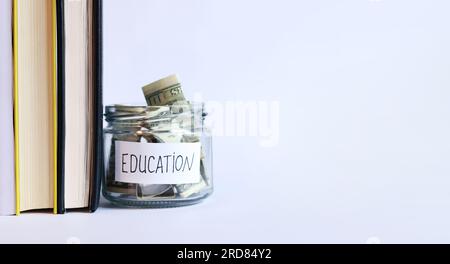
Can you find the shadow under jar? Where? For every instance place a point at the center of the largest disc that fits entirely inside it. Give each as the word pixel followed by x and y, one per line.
pixel 157 156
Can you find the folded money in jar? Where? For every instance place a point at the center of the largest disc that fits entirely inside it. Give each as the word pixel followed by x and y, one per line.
pixel 158 154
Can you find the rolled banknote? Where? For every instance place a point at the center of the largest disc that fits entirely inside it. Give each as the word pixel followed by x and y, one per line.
pixel 163 92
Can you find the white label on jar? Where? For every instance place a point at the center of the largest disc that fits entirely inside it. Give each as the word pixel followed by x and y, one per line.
pixel 157 163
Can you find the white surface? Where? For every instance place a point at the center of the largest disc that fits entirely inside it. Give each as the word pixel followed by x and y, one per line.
pixel 364 147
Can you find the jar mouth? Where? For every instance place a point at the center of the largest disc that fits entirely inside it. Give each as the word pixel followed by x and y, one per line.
pixel 136 107
pixel 127 115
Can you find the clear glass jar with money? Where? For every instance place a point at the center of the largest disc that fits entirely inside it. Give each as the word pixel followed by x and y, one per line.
pixel 157 156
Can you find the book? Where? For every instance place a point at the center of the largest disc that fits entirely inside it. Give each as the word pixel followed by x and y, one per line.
pixel 35 115
pixel 7 179
pixel 79 104
pixel 57 104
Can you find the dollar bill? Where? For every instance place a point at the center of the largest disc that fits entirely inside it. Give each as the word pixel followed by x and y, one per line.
pixel 163 92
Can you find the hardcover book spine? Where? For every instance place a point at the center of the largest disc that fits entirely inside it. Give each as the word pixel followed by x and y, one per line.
pixel 98 101
pixel 16 105
pixel 60 32
pixel 55 107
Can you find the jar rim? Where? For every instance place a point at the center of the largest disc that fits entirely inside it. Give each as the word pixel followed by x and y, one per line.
pixel 126 115
pixel 147 107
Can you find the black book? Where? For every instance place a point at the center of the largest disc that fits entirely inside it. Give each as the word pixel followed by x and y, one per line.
pixel 80 108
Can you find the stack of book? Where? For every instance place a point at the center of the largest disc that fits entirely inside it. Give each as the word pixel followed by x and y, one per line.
pixel 50 105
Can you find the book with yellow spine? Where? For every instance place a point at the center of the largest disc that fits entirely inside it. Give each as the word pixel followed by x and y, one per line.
pixel 35 93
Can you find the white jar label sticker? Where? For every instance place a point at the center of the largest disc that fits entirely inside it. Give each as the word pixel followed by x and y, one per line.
pixel 157 163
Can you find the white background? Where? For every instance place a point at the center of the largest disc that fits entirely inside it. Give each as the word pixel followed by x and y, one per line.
pixel 364 146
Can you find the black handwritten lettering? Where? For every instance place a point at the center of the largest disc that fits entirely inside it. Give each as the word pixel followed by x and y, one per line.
pixel 123 162
pixel 133 166
pixel 179 158
pixel 161 164
pixel 167 162
pixel 186 162
pixel 144 170
pixel 148 164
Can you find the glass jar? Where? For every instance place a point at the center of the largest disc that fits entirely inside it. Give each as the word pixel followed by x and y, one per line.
pixel 157 156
